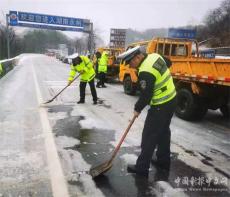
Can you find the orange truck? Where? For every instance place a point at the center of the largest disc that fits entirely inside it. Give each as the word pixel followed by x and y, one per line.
pixel 113 63
pixel 201 83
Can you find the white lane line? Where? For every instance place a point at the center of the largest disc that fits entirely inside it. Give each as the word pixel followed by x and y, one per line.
pixel 58 182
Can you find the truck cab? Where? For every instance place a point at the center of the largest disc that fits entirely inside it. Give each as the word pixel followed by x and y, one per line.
pixel 201 83
pixel 172 47
pixel 129 76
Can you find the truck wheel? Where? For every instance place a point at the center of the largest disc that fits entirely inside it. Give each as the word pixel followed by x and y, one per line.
pixel 225 110
pixel 129 86
pixel 189 106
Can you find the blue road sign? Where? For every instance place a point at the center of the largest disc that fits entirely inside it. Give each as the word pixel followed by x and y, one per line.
pixel 208 53
pixel 49 19
pixel 26 19
pixel 182 33
pixel 13 18
pixel 61 28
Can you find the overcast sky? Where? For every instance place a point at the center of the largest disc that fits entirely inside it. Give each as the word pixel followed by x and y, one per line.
pixel 106 14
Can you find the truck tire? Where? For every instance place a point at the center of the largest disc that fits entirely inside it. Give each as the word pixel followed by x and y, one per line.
pixel 189 106
pixel 225 110
pixel 129 86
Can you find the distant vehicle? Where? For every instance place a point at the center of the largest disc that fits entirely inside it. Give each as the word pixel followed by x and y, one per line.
pixel 51 54
pixel 58 56
pixel 201 83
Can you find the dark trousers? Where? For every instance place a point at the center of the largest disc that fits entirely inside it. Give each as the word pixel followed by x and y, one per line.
pixel 156 132
pixel 92 88
pixel 101 77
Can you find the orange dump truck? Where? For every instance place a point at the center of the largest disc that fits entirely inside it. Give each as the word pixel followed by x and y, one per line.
pixel 201 83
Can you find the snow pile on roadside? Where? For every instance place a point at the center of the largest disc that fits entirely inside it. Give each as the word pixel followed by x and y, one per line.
pixel 129 158
pixel 91 119
pixel 75 168
pixel 106 119
pixel 91 123
pixel 65 142
pixel 165 189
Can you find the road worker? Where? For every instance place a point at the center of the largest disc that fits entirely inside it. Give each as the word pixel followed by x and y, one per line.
pixel 102 69
pixel 157 90
pixel 84 66
pixel 97 59
pixel 1 69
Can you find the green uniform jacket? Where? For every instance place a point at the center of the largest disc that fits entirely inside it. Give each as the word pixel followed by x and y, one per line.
pixel 103 62
pixel 86 66
pixel 164 89
pixel 1 69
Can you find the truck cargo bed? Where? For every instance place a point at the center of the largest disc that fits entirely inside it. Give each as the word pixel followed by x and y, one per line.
pixel 215 71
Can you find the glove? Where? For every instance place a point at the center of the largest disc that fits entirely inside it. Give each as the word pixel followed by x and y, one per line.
pixel 69 82
pixel 136 114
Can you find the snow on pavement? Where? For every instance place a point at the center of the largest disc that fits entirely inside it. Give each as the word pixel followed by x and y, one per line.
pixel 114 113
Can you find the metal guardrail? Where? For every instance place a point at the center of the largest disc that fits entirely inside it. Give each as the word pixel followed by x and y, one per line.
pixel 6 66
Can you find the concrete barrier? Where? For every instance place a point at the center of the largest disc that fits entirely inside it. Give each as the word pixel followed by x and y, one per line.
pixel 6 66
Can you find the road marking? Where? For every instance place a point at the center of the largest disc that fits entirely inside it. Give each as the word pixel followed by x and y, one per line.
pixel 58 182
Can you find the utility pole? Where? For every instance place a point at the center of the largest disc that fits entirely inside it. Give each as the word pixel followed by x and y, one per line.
pixel 7 36
pixel 91 37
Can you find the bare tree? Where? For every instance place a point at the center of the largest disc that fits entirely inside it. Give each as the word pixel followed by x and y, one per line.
pixel 82 43
pixel 218 25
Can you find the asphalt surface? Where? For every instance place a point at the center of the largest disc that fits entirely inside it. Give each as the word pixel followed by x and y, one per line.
pixel 199 149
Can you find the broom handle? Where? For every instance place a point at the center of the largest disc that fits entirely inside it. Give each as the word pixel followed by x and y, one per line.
pixel 122 139
pixel 65 87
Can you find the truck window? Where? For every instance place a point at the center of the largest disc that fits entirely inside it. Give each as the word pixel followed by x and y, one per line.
pixel 167 49
pixel 173 52
pixel 179 50
pixel 160 48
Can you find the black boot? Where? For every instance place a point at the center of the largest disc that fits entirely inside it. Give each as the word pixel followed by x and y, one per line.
pixel 161 175
pixel 80 102
pixel 161 165
pixel 133 169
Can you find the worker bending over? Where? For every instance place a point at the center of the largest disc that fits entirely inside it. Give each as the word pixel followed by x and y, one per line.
pixel 158 91
pixel 84 66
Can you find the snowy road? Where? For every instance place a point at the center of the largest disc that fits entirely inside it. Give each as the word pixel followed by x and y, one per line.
pixel 46 150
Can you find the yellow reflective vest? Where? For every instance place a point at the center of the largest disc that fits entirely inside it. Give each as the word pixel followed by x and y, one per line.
pixel 86 66
pixel 103 62
pixel 164 89
pixel 1 69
